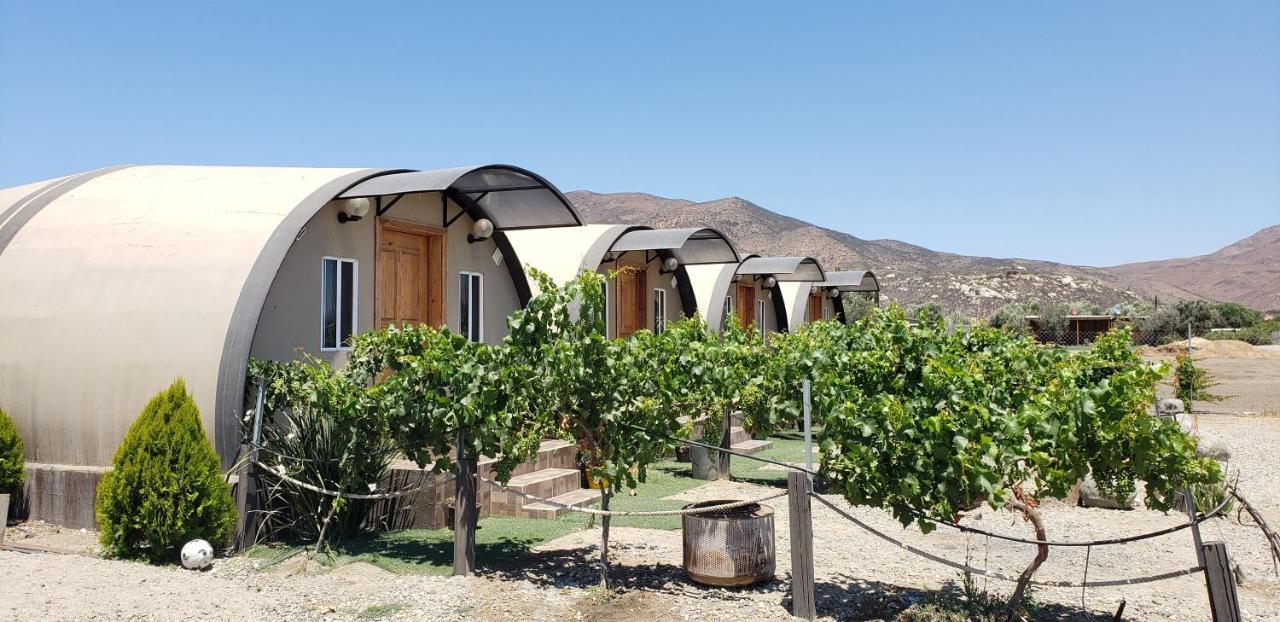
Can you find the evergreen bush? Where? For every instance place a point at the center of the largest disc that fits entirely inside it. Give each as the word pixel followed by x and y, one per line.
pixel 12 467
pixel 165 486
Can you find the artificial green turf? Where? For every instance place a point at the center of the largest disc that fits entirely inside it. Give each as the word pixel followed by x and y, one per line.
pixel 501 540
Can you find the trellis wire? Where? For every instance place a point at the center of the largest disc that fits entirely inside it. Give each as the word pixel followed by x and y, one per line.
pixel 995 575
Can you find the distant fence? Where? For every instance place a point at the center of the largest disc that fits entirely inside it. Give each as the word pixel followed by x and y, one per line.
pixel 1078 337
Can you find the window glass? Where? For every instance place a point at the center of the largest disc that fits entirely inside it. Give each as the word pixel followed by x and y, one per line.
pixel 338 302
pixel 659 310
pixel 760 316
pixel 470 299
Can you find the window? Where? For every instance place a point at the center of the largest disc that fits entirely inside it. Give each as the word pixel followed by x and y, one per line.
pixel 760 315
pixel 608 317
pixel 728 310
pixel 659 311
pixel 827 312
pixel 471 313
pixel 338 278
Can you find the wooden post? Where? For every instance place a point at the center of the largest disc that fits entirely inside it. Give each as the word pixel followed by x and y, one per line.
pixel 464 512
pixel 726 442
pixel 1222 585
pixel 803 602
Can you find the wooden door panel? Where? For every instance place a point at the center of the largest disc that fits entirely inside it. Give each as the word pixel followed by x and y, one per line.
pixel 815 307
pixel 746 305
pixel 410 275
pixel 632 282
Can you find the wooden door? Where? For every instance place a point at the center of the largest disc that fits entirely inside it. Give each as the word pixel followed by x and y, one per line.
pixel 815 307
pixel 746 304
pixel 410 274
pixel 632 282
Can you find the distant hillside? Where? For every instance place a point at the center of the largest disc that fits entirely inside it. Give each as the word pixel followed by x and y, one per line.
pixel 1247 272
pixel 909 274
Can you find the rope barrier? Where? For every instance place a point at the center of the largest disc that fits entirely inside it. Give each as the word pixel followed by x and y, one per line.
pixel 681 512
pixel 728 451
pixel 995 575
pixel 1125 540
pixel 338 494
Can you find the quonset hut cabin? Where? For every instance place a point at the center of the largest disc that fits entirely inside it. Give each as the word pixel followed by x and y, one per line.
pixel 652 268
pixel 766 293
pixel 844 283
pixel 115 281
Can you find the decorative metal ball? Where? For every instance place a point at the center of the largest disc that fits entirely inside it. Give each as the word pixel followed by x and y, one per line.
pixel 196 555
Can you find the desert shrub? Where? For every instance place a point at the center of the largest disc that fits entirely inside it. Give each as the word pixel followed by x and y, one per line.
pixel 1261 334
pixel 1013 317
pixel 1201 314
pixel 1053 325
pixel 12 467
pixel 1236 315
pixel 1162 326
pixel 165 487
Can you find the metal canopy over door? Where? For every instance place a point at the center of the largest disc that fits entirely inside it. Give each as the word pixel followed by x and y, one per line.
pixel 410 274
pixel 632 286
pixel 746 304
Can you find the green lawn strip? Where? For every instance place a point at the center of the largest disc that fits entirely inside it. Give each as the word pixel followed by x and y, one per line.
pixel 502 540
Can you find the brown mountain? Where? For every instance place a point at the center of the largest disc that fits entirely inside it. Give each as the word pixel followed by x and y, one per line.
pixel 909 274
pixel 1247 272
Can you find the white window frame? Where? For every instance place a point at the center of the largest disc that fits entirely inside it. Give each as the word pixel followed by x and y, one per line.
pixel 337 312
pixel 608 309
pixel 479 302
pixel 659 323
pixel 728 310
pixel 828 312
pixel 760 311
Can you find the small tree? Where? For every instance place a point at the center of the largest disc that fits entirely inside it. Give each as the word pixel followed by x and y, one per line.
pixel 1236 315
pixel 1191 382
pixel 1200 314
pixel 165 486
pixel 12 466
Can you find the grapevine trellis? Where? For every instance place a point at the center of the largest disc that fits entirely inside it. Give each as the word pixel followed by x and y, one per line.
pixel 923 422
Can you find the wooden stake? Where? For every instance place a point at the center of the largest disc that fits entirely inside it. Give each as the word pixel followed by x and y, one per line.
pixel 464 512
pixel 803 602
pixel 1223 600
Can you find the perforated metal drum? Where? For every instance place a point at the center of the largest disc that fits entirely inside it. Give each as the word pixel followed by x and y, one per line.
pixel 730 547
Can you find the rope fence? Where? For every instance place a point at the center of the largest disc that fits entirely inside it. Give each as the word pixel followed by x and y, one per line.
pixel 594 511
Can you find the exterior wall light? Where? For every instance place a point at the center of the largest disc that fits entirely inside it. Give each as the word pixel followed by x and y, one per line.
pixel 770 282
pixel 670 264
pixel 834 293
pixel 352 210
pixel 480 231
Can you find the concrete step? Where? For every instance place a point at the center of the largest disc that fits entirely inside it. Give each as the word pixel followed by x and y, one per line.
pixel 544 484
pixel 738 435
pixel 581 497
pixel 751 446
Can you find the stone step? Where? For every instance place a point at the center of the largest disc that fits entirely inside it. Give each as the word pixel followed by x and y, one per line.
pixel 738 435
pixel 752 446
pixel 544 484
pixel 581 497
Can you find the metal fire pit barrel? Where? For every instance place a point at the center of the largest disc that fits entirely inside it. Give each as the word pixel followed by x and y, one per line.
pixel 729 547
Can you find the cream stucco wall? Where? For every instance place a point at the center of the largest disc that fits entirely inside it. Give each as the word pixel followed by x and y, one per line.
pixel 290 320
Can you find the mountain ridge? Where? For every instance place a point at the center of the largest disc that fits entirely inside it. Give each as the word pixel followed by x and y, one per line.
pixel 911 274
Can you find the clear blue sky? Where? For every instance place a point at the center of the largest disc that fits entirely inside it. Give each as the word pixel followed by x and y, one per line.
pixel 977 128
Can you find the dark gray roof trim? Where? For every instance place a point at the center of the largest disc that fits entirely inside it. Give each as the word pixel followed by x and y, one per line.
pixel 512 197
pixel 853 281
pixel 690 246
pixel 784 268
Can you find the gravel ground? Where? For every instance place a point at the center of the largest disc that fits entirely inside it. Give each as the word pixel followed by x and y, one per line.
pixel 860 577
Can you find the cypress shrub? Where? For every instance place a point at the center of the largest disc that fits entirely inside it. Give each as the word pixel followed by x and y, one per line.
pixel 165 486
pixel 12 467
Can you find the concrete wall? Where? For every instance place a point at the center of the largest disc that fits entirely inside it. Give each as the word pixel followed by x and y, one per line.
pixel 290 320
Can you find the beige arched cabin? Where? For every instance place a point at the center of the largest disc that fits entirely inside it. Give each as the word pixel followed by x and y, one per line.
pixel 769 293
pixel 653 267
pixel 116 281
pixel 842 283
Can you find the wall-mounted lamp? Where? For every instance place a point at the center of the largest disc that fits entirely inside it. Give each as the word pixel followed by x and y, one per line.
pixel 834 293
pixel 770 282
pixel 351 210
pixel 480 231
pixel 670 264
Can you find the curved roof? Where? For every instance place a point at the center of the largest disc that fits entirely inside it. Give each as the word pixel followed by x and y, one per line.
pixel 117 281
pixel 852 281
pixel 783 268
pixel 690 246
pixel 512 197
